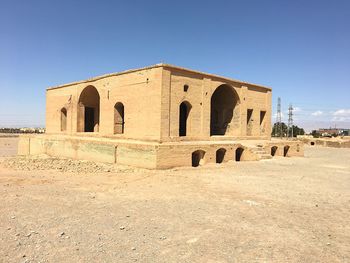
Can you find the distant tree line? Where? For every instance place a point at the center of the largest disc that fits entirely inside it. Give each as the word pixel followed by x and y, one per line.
pixel 316 134
pixel 282 131
pixel 21 130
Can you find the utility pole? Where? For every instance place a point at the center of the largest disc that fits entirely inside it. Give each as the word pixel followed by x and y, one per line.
pixel 279 119
pixel 290 121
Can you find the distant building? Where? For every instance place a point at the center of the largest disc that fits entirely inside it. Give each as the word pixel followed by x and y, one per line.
pixel 334 131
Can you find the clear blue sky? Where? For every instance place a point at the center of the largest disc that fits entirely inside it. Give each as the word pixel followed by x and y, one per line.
pixel 299 48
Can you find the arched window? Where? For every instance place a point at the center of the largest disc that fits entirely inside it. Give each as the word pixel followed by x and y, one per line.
pixel 185 108
pixel 119 118
pixel 89 110
pixel 249 122
pixel 63 119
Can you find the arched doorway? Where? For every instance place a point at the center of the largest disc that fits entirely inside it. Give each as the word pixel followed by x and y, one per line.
pixel 63 119
pixel 119 118
pixel 185 108
pixel 89 110
pixel 239 154
pixel 198 158
pixel 223 103
pixel 220 155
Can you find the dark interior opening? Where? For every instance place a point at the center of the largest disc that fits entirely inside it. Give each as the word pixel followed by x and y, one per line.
pixel 88 110
pixel 273 150
pixel 223 103
pixel 197 156
pixel 262 117
pixel 285 150
pixel 239 153
pixel 249 121
pixel 220 155
pixel 184 112
pixel 89 120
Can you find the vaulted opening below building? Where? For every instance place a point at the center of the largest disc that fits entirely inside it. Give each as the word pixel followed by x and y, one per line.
pixel 285 150
pixel 220 155
pixel 198 158
pixel 239 154
pixel 273 150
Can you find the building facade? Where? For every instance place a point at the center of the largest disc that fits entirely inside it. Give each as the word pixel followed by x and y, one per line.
pixel 161 103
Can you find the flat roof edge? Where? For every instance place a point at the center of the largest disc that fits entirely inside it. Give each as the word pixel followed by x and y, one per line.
pixel 215 76
pixel 156 66
pixel 103 76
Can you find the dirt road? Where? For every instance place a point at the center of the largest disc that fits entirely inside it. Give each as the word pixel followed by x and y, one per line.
pixel 279 210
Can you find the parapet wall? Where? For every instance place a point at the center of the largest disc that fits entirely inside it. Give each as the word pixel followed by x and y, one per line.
pixel 91 149
pixel 328 142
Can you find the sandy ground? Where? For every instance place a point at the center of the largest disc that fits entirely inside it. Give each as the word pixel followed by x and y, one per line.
pixel 8 145
pixel 279 210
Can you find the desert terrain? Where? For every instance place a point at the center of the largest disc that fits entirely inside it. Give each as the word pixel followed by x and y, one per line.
pixel 279 210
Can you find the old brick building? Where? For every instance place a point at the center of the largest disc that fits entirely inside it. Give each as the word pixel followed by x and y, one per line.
pixel 156 117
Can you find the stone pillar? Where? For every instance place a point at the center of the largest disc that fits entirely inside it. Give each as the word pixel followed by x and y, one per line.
pixel 104 118
pixel 206 108
pixel 76 111
pixel 235 124
pixel 80 117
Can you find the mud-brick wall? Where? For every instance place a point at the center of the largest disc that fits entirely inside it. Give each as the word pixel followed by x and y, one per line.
pixel 69 148
pixel 144 156
pixel 178 155
pixel 91 149
pixel 286 149
pixel 138 91
pixel 198 94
